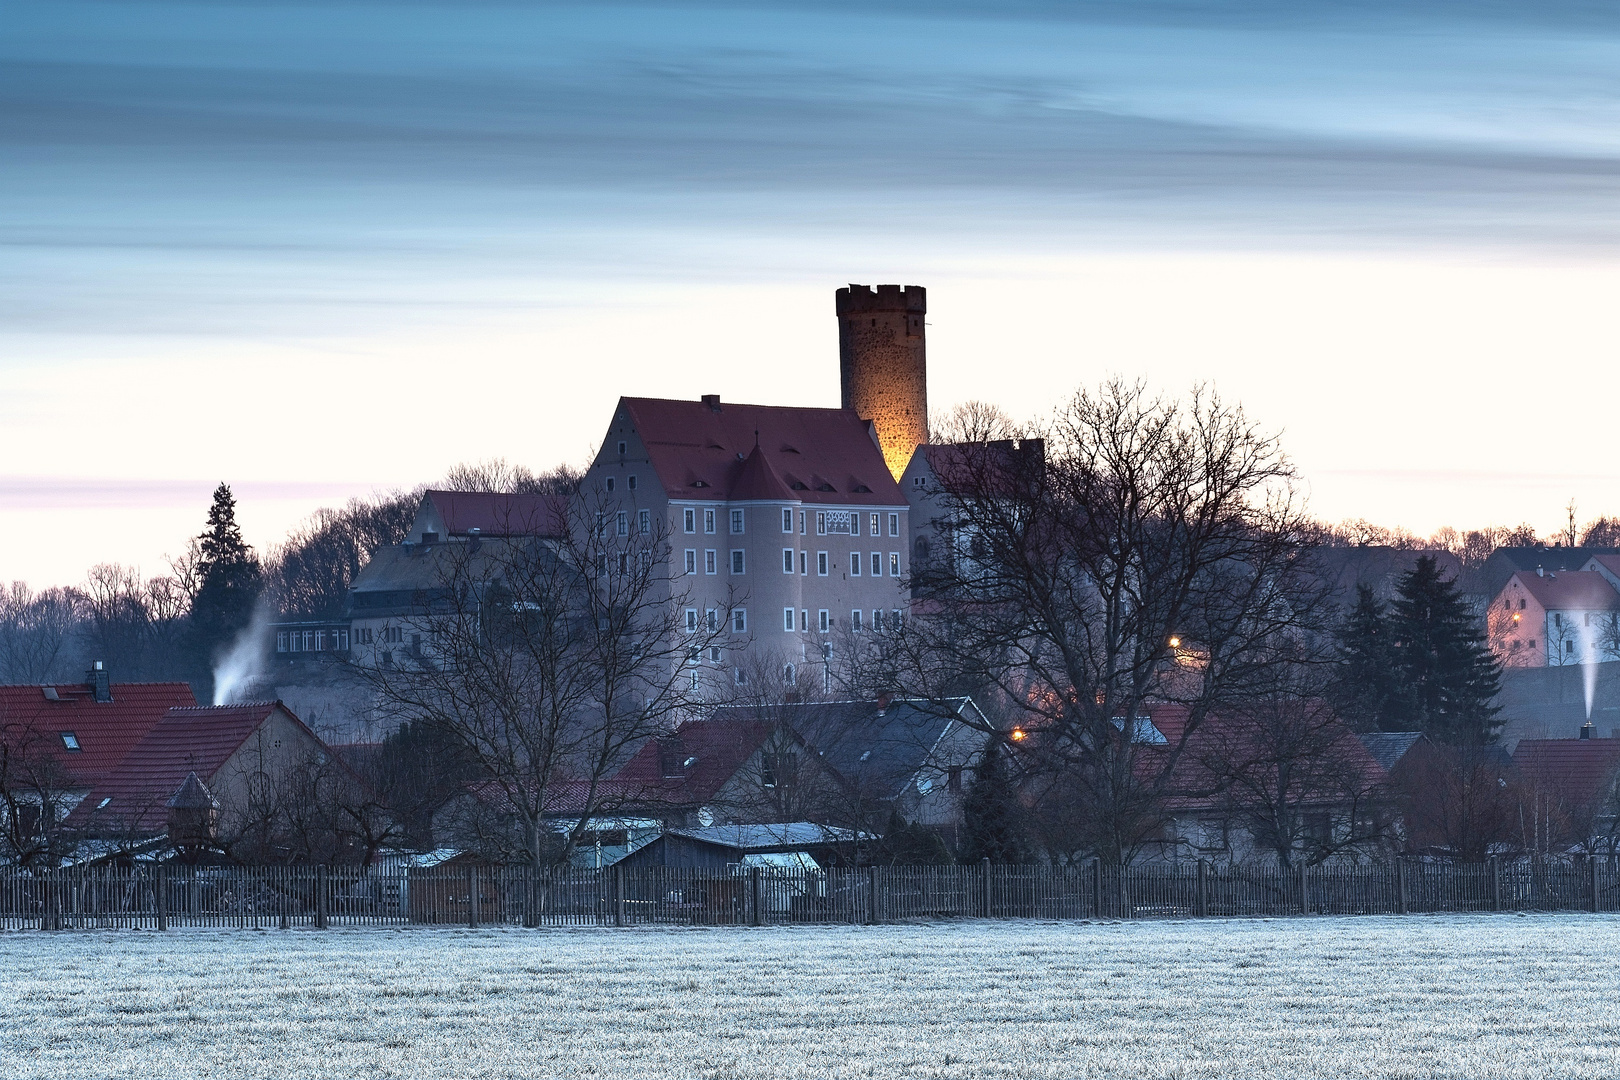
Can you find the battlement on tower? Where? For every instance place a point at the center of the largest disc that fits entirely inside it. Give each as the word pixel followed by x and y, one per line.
pixel 861 299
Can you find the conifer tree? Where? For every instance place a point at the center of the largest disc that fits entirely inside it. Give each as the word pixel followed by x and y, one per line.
pixel 993 820
pixel 228 572
pixel 1366 689
pixel 1447 674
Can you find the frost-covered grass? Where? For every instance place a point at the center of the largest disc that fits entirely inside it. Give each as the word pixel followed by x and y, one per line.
pixel 1480 996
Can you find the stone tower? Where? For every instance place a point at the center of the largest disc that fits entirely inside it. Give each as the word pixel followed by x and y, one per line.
pixel 883 367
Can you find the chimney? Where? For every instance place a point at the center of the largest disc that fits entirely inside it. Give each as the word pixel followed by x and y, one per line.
pixel 96 678
pixel 1586 730
pixel 712 401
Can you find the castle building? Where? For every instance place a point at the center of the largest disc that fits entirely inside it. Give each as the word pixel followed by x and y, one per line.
pixel 883 365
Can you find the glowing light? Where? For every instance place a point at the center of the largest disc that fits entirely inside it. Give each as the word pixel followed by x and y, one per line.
pixel 1175 643
pixel 1515 616
pixel 1018 735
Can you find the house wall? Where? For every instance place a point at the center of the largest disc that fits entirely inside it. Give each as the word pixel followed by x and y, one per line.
pixel 1516 627
pixel 279 745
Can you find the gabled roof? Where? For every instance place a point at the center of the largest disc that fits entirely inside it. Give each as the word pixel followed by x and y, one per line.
pixel 1571 590
pixel 789 836
pixel 499 513
pixel 105 730
pixel 716 748
pixel 699 451
pixel 1389 747
pixel 1580 770
pixel 199 739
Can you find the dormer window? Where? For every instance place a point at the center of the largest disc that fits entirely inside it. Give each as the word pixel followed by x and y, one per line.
pixel 70 742
pixel 798 485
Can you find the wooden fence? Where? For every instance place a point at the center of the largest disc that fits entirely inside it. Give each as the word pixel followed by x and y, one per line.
pixel 159 897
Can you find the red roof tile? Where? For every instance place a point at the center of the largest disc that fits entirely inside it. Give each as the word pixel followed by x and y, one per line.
pixel 496 514
pixel 105 730
pixel 716 749
pixel 1578 769
pixel 820 455
pixel 198 739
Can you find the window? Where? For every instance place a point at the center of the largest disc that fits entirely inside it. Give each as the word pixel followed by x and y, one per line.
pixel 739 620
pixel 691 620
pixel 343 640
pixel 877 619
pixel 787 519
pixel 804 619
pixel 396 635
pixel 708 521
pixel 823 623
pixel 877 526
pixel 1558 618
pixel 1521 603
pixel 877 564
pixel 622 523
pixel 709 564
pixel 804 562
pixel 855 620
pixel 790 675
pixel 281 641
pixel 821 563
pixel 70 742
pixel 309 641
pixel 821 524
pixel 1569 647
pixel 711 621
pixel 736 522
pixel 953 778
pixel 624 562
pixel 694 653
pixel 320 641
pixel 714 654
pixel 1588 618
pixel 787 619
pixel 689 519
pixel 801 522
pixel 826 652
pixel 630 481
pixel 855 564
pixel 894 524
pixel 622 447
pixel 736 560
pixel 894 564
pixel 694 674
pixel 787 560
pixel 855 523
pixel 610 483
pixel 739 676
pixel 1532 644
pixel 916 481
pixel 691 560
pixel 643 522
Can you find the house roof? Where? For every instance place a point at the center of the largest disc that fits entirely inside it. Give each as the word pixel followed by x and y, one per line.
pixel 790 836
pixel 1578 769
pixel 1571 590
pixel 1552 559
pixel 104 730
pixel 716 749
pixel 198 739
pixel 1388 747
pixel 500 513
pixel 877 748
pixel 702 451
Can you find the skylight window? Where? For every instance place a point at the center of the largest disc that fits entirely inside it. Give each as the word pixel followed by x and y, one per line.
pixel 71 741
pixel 104 803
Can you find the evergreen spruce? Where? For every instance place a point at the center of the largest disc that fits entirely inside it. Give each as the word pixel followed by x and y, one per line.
pixel 1446 673
pixel 1366 689
pixel 229 582
pixel 913 844
pixel 993 820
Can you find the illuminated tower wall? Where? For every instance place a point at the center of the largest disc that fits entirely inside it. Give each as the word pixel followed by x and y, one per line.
pixel 883 365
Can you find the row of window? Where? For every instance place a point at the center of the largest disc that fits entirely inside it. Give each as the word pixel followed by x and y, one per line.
pixel 824 620
pixel 739 562
pixel 711 620
pixel 828 522
pixel 292 641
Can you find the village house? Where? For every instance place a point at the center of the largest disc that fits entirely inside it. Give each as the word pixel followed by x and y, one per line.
pixel 1549 618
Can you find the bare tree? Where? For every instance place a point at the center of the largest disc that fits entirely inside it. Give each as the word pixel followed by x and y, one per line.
pixel 310 572
pixel 36 632
pixel 548 661
pixel 1131 549
pixel 35 795
pixel 1461 802
pixel 502 477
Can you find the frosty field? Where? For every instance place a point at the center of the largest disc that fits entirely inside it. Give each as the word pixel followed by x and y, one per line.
pixel 1477 996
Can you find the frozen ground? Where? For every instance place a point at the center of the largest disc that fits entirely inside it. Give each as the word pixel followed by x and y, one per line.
pixel 1482 996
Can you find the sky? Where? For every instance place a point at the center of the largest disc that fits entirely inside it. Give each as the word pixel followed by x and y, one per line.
pixel 320 250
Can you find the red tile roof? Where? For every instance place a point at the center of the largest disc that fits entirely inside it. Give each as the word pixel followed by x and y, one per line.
pixel 1569 590
pixel 198 739
pixel 1580 770
pixel 494 514
pixel 105 730
pixel 823 456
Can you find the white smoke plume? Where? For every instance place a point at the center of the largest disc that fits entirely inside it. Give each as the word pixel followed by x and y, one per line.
pixel 242 669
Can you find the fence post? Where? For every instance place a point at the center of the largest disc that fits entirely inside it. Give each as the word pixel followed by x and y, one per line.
pixel 1201 909
pixel 320 898
pixel 1400 886
pixel 756 917
pixel 1496 884
pixel 1592 868
pixel 158 901
pixel 472 896
pixel 871 896
pixel 1096 888
pixel 984 864
pixel 1304 890
pixel 618 896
